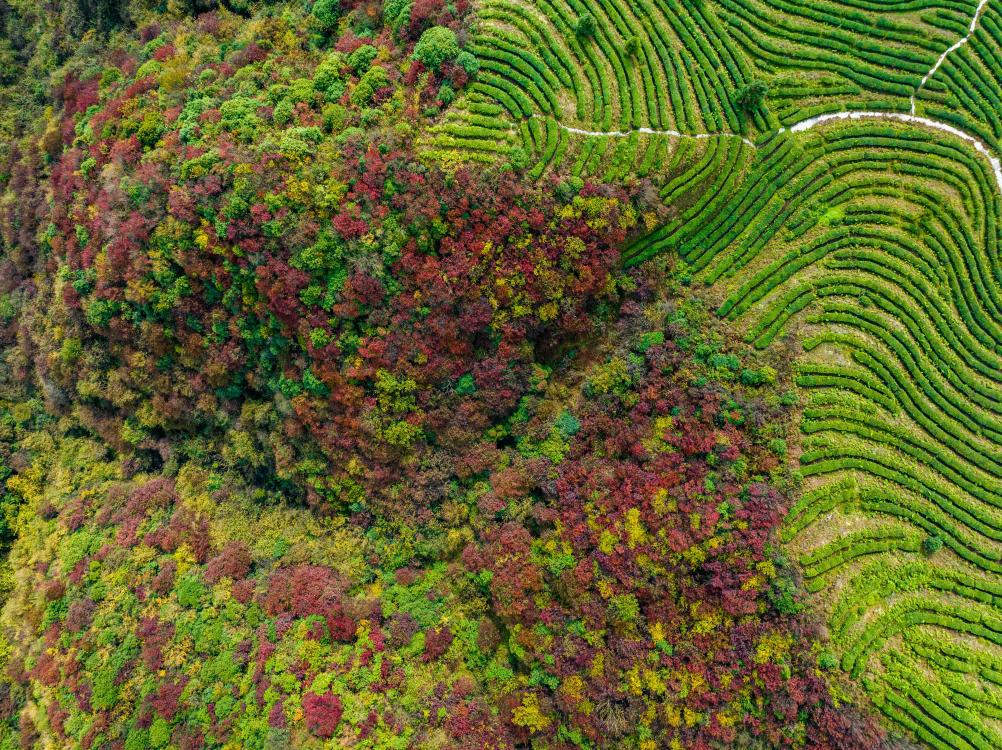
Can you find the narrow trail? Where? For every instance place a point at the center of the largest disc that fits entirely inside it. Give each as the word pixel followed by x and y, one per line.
pixel 957 45
pixel 810 122
pixel 647 131
pixel 928 122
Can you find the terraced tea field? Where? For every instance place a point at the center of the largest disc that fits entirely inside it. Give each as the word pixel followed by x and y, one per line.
pixel 858 209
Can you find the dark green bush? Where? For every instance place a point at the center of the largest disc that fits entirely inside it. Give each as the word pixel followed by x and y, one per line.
pixel 585 26
pixel 436 45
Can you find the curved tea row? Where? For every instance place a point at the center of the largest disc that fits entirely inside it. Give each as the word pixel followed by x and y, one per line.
pixel 674 66
pixel 877 244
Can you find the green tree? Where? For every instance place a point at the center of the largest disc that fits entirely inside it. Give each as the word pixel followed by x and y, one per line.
pixel 585 26
pixel 932 544
pixel 397 13
pixel 468 62
pixel 751 95
pixel 327 13
pixel 436 45
pixel 373 80
pixel 361 59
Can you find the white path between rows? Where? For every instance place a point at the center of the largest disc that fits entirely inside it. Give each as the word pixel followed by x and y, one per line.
pixel 928 122
pixel 957 45
pixel 807 124
pixel 648 131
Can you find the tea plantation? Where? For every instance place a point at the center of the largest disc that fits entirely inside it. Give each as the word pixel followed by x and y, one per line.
pixel 501 374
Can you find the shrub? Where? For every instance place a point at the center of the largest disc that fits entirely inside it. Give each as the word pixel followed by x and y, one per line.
pixel 159 733
pixel 585 26
pixel 396 13
pixel 750 96
pixel 322 713
pixel 327 12
pixel 567 189
pixel 446 94
pixel 932 544
pixel 518 157
pixel 190 592
pixel 827 661
pixel 466 385
pixel 361 59
pixel 468 62
pixel 783 595
pixel 374 80
pixel 327 77
pixel 436 45
pixel 652 338
pixel 568 424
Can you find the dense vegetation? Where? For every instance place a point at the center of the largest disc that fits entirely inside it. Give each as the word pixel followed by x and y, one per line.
pixel 606 578
pixel 869 246
pixel 372 374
